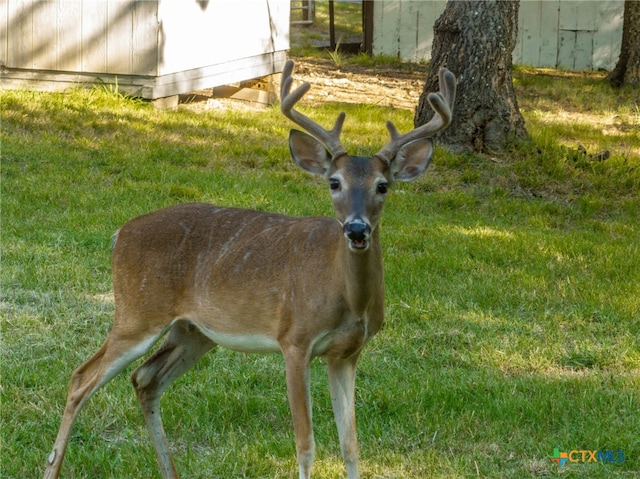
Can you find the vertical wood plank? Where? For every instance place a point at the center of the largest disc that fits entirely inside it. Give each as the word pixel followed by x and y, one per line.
pixel 583 53
pixel 119 37
pixel 386 21
pixel 566 48
pixel 527 49
pixel 94 36
pixel 68 42
pixel 406 30
pixel 577 25
pixel 44 46
pixel 4 31
pixel 20 34
pixel 428 13
pixel 578 15
pixel 568 15
pixel 415 30
pixel 607 40
pixel 547 36
pixel 280 11
pixel 144 52
pixel 424 32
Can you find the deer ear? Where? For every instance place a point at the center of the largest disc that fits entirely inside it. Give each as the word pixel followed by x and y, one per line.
pixel 412 160
pixel 308 153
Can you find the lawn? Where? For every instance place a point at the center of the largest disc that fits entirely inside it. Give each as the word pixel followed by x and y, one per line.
pixel 513 291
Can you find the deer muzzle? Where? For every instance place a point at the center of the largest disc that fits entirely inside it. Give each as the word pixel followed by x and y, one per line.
pixel 357 232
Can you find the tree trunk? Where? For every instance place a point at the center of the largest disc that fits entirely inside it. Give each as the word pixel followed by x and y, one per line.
pixel 474 39
pixel 627 70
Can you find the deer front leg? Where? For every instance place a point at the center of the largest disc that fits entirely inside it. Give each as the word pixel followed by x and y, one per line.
pixel 342 382
pixel 297 370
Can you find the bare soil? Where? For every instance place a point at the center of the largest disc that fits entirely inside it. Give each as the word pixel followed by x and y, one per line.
pixel 384 86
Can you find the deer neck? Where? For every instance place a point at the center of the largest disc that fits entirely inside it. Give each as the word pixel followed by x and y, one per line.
pixel 363 274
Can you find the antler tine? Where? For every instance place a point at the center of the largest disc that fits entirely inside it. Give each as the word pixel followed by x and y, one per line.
pixel 288 98
pixel 442 104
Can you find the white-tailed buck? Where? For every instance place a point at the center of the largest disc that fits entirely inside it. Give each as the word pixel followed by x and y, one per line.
pixel 259 282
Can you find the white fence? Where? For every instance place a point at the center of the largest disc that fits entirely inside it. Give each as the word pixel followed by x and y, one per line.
pixel 569 34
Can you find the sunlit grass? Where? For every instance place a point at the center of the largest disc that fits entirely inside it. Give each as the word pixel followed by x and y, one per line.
pixel 581 109
pixel 513 290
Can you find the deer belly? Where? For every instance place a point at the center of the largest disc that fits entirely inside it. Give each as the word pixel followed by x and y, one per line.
pixel 243 342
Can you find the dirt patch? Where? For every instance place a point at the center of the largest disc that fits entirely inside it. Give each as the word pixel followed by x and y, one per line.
pixel 384 86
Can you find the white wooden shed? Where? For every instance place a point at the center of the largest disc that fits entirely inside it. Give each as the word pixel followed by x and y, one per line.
pixel 150 48
pixel 568 34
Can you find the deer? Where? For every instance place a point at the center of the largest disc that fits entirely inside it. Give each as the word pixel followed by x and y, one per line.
pixel 203 276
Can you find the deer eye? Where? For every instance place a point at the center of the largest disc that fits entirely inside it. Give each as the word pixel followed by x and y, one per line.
pixel 383 187
pixel 334 184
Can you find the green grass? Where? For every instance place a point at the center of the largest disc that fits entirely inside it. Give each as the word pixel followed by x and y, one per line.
pixel 513 291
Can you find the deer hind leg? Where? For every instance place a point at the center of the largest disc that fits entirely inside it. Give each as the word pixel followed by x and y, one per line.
pixel 342 382
pixel 182 348
pixel 114 355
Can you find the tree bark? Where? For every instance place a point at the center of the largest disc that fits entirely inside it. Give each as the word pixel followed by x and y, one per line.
pixel 627 70
pixel 475 39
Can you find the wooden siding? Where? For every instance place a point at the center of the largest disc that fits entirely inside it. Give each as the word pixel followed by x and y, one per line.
pixel 226 30
pixel 575 35
pixel 571 34
pixel 81 36
pixel 404 29
pixel 153 47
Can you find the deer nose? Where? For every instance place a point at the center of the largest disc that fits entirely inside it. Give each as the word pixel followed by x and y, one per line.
pixel 358 232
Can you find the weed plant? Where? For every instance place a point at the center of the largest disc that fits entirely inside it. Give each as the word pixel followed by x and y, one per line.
pixel 513 290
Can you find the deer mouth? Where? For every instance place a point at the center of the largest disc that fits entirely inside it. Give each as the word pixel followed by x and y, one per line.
pixel 358 244
pixel 357 233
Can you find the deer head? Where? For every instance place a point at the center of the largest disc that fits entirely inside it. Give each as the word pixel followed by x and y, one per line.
pixel 358 184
